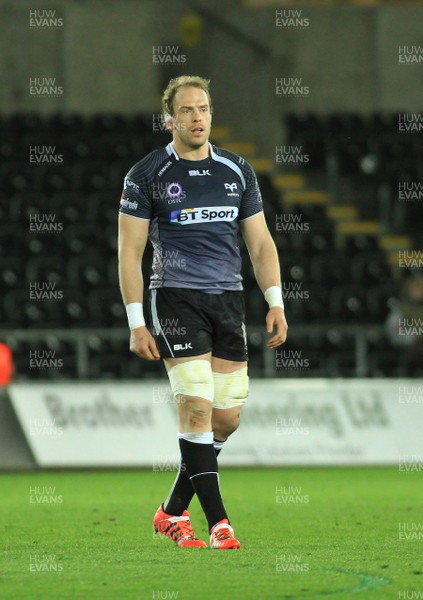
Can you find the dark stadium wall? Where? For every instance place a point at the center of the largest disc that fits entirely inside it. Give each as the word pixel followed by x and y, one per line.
pixel 398 26
pixel 348 63
pixel 102 55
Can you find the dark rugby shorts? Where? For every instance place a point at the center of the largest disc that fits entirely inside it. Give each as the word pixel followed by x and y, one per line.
pixel 186 322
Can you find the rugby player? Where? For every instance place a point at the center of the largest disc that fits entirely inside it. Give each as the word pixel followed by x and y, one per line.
pixel 191 199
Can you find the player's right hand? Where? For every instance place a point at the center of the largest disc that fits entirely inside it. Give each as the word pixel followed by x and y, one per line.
pixel 143 344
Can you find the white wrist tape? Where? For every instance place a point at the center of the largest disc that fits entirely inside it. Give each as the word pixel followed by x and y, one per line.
pixel 135 315
pixel 273 296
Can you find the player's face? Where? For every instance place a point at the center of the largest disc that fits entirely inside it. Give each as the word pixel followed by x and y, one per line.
pixel 191 121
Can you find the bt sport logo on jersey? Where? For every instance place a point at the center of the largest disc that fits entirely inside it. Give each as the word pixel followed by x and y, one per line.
pixel 209 214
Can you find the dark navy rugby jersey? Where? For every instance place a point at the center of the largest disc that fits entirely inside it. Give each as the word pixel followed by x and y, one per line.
pixel 194 208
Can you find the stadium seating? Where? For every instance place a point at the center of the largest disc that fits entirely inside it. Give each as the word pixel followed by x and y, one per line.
pixel 337 284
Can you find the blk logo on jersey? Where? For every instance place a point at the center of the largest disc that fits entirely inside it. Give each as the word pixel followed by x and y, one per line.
pixel 193 173
pixel 211 214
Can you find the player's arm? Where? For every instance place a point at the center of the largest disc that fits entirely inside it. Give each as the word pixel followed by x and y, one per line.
pixel 265 261
pixel 132 239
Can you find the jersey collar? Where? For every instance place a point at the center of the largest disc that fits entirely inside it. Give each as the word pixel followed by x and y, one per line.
pixel 171 150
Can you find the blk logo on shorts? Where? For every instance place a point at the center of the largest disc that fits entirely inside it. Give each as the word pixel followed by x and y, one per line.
pixel 186 346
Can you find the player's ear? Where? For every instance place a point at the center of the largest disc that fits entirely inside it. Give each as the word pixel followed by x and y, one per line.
pixel 169 122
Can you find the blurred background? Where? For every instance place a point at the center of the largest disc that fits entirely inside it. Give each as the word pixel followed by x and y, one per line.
pixel 324 101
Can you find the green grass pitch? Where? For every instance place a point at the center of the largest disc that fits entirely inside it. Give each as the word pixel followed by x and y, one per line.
pixel 332 533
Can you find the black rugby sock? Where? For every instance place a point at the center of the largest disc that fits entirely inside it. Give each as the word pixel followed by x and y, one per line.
pixel 201 463
pixel 182 490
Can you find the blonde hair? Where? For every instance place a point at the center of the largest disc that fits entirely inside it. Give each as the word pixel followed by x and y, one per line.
pixel 183 81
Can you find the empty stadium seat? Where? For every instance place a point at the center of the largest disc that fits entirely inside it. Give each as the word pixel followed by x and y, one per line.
pixel 331 269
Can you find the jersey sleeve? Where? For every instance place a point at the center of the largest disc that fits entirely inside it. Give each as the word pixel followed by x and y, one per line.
pixel 251 202
pixel 136 199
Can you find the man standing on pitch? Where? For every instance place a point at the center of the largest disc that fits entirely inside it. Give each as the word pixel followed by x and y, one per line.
pixel 191 199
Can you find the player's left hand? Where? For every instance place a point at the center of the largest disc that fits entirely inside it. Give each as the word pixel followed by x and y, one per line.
pixel 276 318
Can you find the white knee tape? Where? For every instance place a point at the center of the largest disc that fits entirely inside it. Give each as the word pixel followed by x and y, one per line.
pixel 192 378
pixel 230 389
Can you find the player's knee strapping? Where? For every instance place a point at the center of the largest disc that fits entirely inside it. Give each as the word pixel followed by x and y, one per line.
pixel 192 378
pixel 230 389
